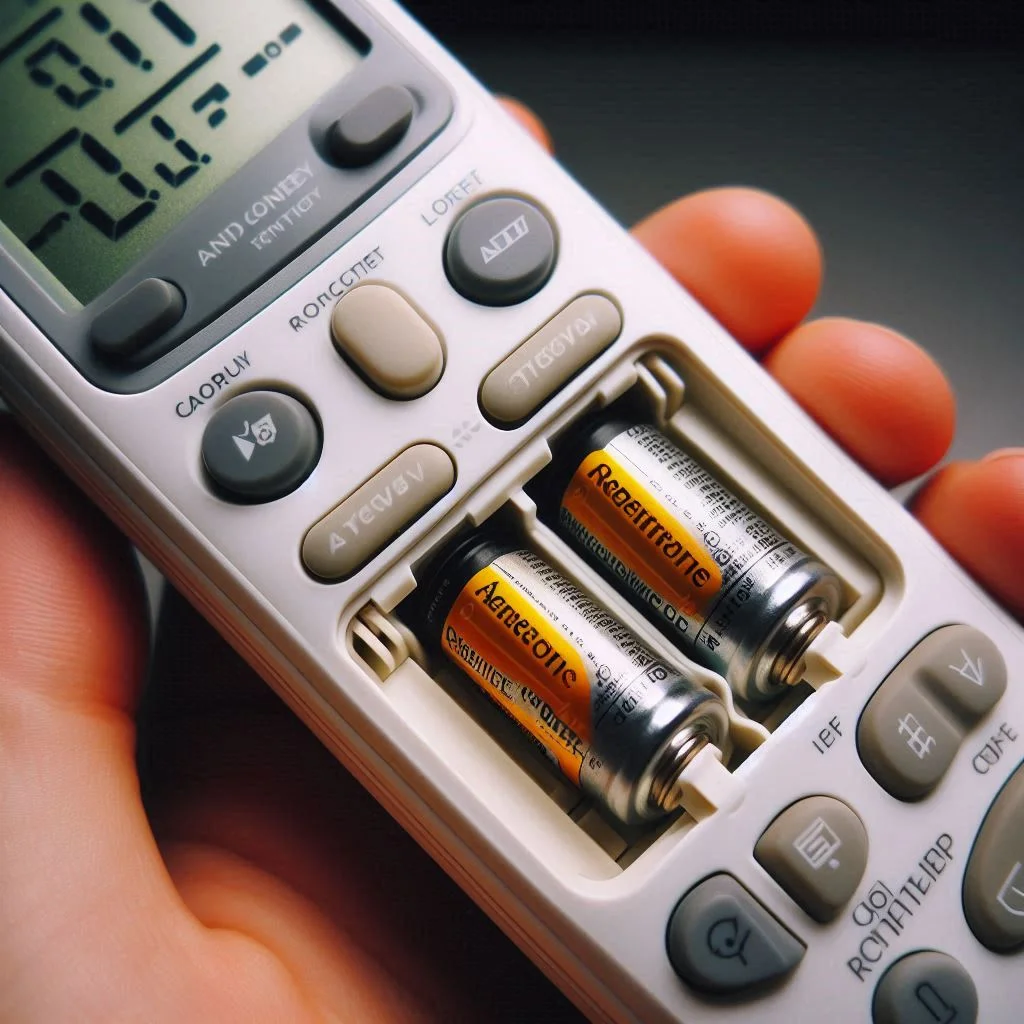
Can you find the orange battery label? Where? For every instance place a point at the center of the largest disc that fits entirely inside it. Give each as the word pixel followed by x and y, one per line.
pixel 524 662
pixel 622 513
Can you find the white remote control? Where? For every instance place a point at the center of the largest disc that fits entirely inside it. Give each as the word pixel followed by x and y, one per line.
pixel 688 703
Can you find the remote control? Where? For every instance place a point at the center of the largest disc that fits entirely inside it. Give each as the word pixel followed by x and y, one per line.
pixel 677 693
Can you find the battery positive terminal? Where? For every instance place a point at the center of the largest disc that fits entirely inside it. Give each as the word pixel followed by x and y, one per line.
pixel 705 785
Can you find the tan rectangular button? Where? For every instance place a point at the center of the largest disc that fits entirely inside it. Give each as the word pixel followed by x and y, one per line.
pixel 547 359
pixel 353 532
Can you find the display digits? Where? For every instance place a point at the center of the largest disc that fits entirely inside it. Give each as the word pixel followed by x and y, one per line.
pixel 42 71
pixel 121 117
pixel 177 178
pixel 48 66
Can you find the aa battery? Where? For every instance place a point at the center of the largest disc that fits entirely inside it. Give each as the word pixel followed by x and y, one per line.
pixel 619 722
pixel 720 582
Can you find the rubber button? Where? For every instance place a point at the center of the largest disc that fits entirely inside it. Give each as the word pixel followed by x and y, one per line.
pixel 816 850
pixel 906 741
pixel 137 319
pixel 374 125
pixel 914 724
pixel 260 446
pixel 721 940
pixel 963 669
pixel 357 529
pixel 994 879
pixel 549 358
pixel 500 251
pixel 388 340
pixel 925 988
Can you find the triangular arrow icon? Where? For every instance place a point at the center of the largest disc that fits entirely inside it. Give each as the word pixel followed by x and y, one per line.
pixel 245 446
pixel 971 670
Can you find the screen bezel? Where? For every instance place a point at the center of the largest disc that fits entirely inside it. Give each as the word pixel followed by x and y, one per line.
pixel 225 293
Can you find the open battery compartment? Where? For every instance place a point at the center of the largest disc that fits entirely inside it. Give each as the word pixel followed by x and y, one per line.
pixel 476 738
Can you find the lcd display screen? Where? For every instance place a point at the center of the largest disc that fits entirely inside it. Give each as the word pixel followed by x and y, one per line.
pixel 117 119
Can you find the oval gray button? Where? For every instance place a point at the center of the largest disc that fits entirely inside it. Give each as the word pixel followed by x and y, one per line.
pixel 372 127
pixel 137 319
pixel 913 725
pixel 353 532
pixel 549 358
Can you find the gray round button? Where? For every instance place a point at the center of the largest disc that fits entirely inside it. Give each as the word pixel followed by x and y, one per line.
pixel 923 988
pixel 260 446
pixel 500 251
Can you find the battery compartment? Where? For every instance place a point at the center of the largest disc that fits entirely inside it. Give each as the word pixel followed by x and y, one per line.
pixel 502 766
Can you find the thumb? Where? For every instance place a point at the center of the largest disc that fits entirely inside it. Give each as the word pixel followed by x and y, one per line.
pixel 82 885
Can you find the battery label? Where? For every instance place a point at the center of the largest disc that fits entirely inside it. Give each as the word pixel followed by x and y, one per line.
pixel 614 506
pixel 556 662
pixel 672 536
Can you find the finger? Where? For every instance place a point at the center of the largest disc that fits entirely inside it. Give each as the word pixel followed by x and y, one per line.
pixel 527 119
pixel 72 593
pixel 750 259
pixel 976 511
pixel 76 845
pixel 330 884
pixel 877 393
pixel 93 928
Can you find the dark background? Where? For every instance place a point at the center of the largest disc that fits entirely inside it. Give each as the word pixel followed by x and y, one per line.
pixel 896 128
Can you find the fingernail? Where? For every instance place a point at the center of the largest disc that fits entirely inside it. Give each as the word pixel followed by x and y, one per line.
pixel 1004 453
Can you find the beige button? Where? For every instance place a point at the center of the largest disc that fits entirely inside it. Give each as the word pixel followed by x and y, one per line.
pixel 549 358
pixel 352 533
pixel 388 340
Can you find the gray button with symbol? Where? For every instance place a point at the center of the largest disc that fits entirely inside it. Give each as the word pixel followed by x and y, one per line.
pixel 260 446
pixel 925 988
pixel 913 726
pixel 721 940
pixel 994 879
pixel 816 850
pixel 549 358
pixel 500 251
pixel 381 508
pixel 962 668
pixel 905 739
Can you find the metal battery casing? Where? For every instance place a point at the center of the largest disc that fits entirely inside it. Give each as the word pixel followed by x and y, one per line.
pixel 720 582
pixel 619 722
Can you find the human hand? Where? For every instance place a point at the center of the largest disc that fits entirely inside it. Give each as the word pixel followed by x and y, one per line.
pixel 258 881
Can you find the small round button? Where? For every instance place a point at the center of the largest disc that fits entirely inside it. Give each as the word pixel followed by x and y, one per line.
pixel 500 251
pixel 260 446
pixel 923 988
